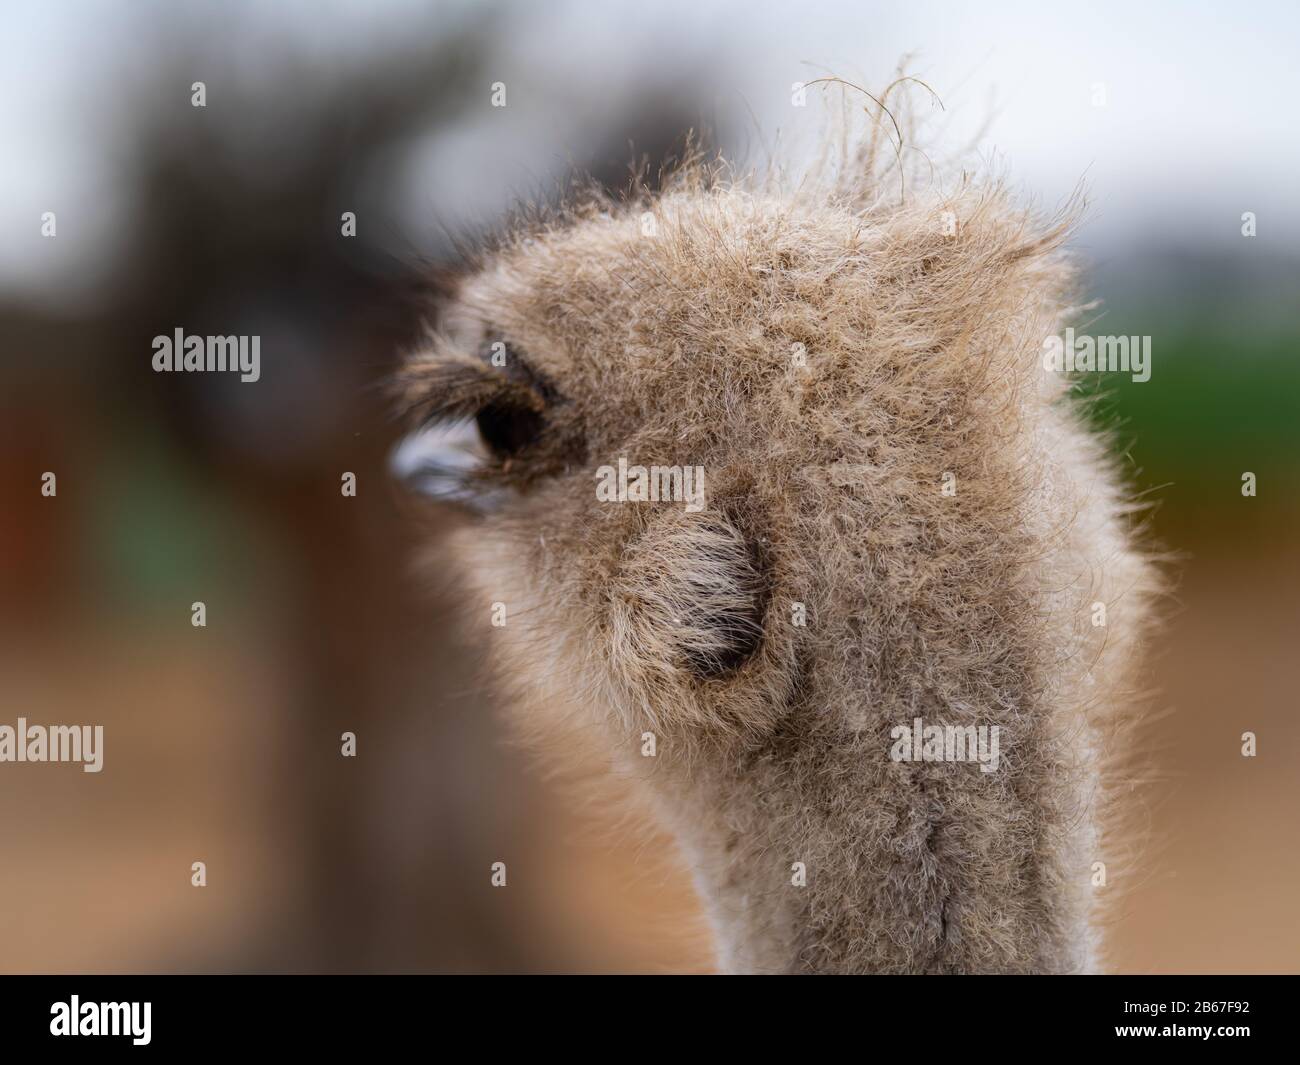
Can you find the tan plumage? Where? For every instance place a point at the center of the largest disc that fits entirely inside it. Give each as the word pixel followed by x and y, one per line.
pixel 832 354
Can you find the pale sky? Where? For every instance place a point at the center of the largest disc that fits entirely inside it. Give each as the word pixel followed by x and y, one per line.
pixel 1198 124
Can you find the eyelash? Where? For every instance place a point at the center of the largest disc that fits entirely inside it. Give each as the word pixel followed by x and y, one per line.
pixel 447 386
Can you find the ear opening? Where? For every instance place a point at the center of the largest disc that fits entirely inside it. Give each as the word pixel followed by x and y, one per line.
pixel 692 594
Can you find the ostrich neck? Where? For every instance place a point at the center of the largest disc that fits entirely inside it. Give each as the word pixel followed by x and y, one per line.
pixel 913 877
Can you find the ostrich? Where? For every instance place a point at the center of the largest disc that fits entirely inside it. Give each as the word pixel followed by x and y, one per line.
pixel 905 524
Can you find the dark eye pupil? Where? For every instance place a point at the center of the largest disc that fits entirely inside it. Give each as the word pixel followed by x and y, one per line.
pixel 508 430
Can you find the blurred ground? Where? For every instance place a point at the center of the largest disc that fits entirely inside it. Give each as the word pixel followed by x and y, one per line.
pixel 204 766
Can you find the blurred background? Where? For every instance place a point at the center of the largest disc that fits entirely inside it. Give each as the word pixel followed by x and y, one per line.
pixel 222 743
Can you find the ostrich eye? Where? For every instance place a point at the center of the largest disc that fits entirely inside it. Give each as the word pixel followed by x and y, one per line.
pixel 507 429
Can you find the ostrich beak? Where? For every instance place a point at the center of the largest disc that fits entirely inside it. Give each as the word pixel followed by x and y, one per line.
pixel 440 462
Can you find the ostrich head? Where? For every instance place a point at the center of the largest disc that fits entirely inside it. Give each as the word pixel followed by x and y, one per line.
pixel 866 507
